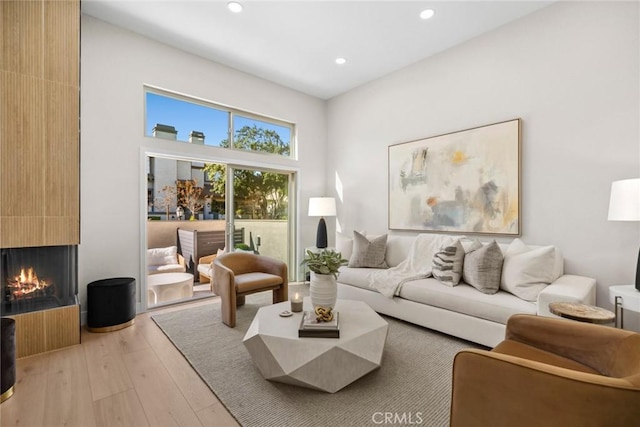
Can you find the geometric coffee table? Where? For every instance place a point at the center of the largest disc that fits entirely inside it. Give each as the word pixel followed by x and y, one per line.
pixel 326 364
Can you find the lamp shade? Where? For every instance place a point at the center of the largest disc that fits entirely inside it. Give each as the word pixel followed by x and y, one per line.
pixel 322 206
pixel 624 204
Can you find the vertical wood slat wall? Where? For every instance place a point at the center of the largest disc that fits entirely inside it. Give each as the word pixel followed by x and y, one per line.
pixel 39 123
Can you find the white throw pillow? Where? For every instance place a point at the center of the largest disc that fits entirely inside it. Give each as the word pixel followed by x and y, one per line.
pixel 344 243
pixel 162 256
pixel 527 271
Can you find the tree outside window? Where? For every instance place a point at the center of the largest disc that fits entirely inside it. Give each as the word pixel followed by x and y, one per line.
pixel 257 194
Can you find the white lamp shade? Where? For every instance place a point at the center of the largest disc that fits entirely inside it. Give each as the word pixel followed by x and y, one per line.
pixel 624 204
pixel 322 206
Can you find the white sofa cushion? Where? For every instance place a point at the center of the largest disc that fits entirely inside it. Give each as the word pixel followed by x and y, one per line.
pixel 466 300
pixel 526 271
pixel 344 243
pixel 358 277
pixel 205 269
pixel 398 247
pixel 166 268
pixel 162 256
pixel 164 260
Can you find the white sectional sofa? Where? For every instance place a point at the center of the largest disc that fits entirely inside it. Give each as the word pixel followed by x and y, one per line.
pixel 460 310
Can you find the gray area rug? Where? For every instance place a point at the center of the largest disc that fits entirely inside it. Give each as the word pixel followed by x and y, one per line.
pixel 413 386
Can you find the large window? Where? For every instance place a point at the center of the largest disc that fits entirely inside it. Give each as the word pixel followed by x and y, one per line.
pixel 175 117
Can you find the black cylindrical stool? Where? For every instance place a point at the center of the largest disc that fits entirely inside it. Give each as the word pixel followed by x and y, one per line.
pixel 111 304
pixel 8 356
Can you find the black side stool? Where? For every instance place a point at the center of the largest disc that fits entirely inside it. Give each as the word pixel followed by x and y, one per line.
pixel 111 304
pixel 8 355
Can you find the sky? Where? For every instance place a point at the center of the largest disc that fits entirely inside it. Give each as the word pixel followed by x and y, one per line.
pixel 186 117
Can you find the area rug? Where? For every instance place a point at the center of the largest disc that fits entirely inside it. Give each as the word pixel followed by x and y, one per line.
pixel 413 386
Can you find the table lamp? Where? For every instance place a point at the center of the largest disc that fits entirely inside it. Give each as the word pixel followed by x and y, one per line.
pixel 624 205
pixel 322 206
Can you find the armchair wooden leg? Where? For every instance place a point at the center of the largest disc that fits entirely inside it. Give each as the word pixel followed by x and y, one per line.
pixel 239 300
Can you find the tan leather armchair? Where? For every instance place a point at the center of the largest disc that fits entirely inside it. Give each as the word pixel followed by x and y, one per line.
pixel 550 372
pixel 238 274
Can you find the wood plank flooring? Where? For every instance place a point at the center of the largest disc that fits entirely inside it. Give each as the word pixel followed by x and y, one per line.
pixel 132 377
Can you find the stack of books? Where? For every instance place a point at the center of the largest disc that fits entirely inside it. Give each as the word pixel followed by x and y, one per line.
pixel 311 327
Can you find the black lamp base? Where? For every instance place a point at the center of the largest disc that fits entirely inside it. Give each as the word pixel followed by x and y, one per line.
pixel 321 234
pixel 638 273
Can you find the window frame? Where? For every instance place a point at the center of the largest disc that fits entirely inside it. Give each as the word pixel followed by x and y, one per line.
pixel 231 113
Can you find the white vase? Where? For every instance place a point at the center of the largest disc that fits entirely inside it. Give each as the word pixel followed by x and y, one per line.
pixel 323 290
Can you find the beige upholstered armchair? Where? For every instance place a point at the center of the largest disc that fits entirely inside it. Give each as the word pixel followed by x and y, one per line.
pixel 205 270
pixel 237 274
pixel 550 372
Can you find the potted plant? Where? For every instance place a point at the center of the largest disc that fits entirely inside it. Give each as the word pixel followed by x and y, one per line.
pixel 324 267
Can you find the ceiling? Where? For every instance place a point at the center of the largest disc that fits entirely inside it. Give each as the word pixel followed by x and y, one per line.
pixel 295 43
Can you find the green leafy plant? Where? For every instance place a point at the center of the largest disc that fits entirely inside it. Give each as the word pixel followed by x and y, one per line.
pixel 324 262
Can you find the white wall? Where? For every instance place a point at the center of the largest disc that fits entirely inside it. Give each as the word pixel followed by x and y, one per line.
pixel 570 71
pixel 114 67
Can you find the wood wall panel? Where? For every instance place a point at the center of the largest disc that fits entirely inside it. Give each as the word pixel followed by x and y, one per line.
pixel 3 48
pixel 60 230
pixel 39 123
pixel 62 327
pixel 22 37
pixel 61 171
pixel 22 146
pixel 30 334
pixel 61 41
pixel 46 330
pixel 20 231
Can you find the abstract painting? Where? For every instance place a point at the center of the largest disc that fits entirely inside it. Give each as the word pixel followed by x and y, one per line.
pixel 461 182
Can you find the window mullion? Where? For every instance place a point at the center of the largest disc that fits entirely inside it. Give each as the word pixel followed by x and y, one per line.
pixel 230 131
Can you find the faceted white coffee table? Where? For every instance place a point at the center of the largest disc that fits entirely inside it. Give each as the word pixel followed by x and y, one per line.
pixel 326 364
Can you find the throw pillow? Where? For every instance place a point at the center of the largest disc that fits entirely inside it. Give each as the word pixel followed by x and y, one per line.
pixel 447 263
pixel 344 243
pixel 162 256
pixel 368 254
pixel 483 267
pixel 527 271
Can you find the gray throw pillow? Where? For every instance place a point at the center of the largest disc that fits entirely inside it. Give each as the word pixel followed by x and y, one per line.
pixel 447 263
pixel 368 254
pixel 483 267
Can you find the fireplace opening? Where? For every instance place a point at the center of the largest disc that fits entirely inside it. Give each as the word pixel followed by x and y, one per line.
pixel 37 278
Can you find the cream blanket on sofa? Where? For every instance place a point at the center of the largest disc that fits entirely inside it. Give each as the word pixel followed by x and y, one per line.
pixel 416 266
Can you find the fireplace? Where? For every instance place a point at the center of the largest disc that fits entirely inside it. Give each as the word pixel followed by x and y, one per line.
pixel 37 278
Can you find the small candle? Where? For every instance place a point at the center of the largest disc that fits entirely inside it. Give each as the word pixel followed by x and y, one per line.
pixel 296 303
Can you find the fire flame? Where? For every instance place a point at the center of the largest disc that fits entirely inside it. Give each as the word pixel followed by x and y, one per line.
pixel 26 283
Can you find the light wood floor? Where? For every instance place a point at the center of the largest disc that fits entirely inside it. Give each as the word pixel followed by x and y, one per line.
pixel 132 377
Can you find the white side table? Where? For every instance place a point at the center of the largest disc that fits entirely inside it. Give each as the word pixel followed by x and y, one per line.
pixel 167 286
pixel 624 297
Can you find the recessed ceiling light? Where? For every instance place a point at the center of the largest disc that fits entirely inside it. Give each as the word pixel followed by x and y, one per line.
pixel 234 7
pixel 341 61
pixel 427 14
